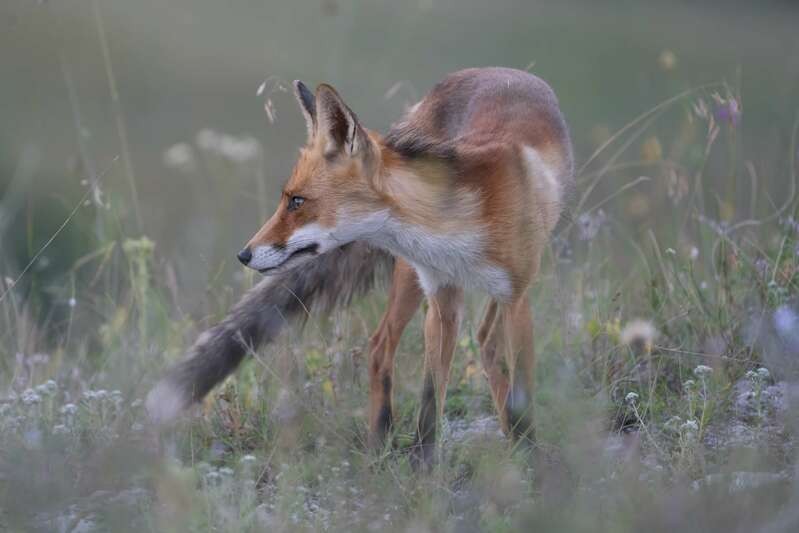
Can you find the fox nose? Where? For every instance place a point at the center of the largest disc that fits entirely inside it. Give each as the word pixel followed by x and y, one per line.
pixel 245 256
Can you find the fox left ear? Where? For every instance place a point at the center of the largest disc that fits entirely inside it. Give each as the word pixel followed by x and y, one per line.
pixel 308 105
pixel 337 124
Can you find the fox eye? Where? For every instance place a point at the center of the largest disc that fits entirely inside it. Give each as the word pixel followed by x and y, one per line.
pixel 295 202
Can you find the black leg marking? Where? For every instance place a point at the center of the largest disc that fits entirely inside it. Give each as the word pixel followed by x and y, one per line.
pixel 426 430
pixel 519 410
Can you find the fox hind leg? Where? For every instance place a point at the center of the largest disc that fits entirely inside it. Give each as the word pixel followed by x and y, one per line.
pixel 508 357
pixel 519 407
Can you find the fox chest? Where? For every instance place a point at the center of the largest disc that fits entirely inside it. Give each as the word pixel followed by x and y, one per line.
pixel 451 259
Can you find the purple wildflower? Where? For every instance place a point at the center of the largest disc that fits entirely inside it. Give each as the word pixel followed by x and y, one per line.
pixel 790 224
pixel 720 227
pixel 727 110
pixel 762 266
pixel 589 224
pixel 562 249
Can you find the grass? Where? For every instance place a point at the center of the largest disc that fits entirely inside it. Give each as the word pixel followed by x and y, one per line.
pixel 666 340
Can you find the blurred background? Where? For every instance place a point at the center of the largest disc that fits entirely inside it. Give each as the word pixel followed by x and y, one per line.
pixel 86 82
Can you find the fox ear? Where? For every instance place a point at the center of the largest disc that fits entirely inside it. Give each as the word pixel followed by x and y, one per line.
pixel 338 126
pixel 308 105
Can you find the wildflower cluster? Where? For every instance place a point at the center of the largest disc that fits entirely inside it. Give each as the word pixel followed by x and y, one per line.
pixel 759 379
pixel 631 398
pixel 213 144
pixel 45 411
pixel 689 428
pixel 237 149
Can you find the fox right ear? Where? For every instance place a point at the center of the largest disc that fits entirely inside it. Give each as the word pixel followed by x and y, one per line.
pixel 307 103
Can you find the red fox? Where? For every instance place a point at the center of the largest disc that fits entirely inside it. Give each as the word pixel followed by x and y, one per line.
pixel 462 193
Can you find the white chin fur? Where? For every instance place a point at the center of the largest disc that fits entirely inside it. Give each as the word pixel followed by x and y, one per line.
pixel 268 257
pixel 274 259
pixel 164 403
pixel 287 265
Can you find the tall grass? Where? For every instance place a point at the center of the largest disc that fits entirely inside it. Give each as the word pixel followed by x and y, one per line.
pixel 666 321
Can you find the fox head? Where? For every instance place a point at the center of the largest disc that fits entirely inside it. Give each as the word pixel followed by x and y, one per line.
pixel 328 201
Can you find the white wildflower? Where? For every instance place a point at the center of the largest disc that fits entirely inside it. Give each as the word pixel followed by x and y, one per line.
pixel 701 371
pixel 225 471
pixel 690 426
pixel 135 404
pixel 671 251
pixel 72 302
pixel 631 398
pixel 69 409
pixel 689 384
pixel 213 477
pixel 763 373
pixel 137 427
pixel 30 397
pixel 48 388
pixel 247 460
pixel 60 429
pixel 207 139
pixel 673 423
pixel 240 149
pixel 180 157
pixel 693 253
pixel 237 149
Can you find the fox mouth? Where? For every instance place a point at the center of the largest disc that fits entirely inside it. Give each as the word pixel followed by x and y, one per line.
pixel 311 249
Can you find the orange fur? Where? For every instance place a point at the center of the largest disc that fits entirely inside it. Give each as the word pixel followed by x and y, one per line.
pixel 465 191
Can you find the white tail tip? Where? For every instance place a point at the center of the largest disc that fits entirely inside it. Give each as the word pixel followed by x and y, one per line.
pixel 164 403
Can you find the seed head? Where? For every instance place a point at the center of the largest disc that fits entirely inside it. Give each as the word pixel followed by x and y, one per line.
pixel 639 334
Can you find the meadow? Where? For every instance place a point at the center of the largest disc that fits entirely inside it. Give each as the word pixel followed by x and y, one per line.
pixel 666 314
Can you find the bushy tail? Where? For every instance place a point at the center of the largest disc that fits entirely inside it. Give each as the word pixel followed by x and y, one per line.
pixel 329 280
